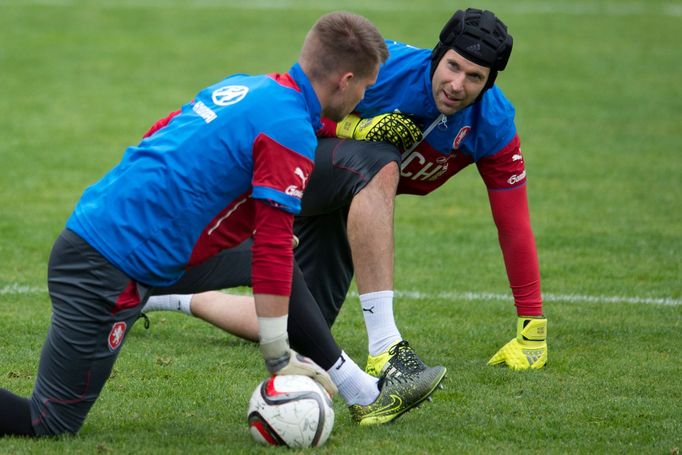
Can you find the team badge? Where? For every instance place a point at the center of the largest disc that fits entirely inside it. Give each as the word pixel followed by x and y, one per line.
pixel 460 137
pixel 225 96
pixel 116 335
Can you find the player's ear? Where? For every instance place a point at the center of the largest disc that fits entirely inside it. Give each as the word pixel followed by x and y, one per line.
pixel 345 80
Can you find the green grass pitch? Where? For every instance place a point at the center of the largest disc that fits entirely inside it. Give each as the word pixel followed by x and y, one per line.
pixel 599 109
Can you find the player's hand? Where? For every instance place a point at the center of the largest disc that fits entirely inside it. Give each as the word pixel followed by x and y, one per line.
pixel 528 349
pixel 394 128
pixel 296 364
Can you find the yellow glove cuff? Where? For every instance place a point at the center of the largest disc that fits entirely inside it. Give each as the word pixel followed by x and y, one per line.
pixel 531 329
pixel 346 127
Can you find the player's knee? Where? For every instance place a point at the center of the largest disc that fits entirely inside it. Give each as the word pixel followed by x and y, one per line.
pixel 58 419
pixel 390 171
pixel 386 180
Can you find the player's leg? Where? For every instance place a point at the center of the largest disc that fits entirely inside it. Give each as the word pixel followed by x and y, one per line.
pixel 354 179
pixel 94 305
pixel 235 314
pixel 370 234
pixel 362 177
pixel 195 293
pixel 325 259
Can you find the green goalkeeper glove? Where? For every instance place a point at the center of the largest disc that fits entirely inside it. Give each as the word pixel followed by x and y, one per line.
pixel 528 349
pixel 396 129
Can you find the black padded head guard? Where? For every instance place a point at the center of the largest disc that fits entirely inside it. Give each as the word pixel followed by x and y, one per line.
pixel 478 36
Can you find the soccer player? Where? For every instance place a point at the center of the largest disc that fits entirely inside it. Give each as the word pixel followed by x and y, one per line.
pixel 232 165
pixel 450 93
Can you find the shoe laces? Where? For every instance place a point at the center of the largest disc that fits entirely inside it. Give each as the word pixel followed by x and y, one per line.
pixel 403 354
pixel 392 376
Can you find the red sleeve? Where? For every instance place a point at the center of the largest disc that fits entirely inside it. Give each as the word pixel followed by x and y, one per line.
pixel 272 263
pixel 511 215
pixel 161 123
pixel 328 128
pixel 504 174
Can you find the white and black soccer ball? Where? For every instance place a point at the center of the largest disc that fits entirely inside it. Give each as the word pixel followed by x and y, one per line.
pixel 292 411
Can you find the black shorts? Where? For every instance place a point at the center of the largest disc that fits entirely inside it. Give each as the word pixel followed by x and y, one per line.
pixel 342 169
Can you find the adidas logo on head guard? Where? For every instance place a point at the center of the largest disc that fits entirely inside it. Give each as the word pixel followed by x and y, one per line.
pixel 475 48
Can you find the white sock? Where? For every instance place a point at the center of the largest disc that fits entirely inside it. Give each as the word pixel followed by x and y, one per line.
pixel 355 386
pixel 172 302
pixel 377 308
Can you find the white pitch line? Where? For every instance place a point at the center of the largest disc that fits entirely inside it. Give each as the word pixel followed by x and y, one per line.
pixel 576 298
pixel 20 289
pixel 16 288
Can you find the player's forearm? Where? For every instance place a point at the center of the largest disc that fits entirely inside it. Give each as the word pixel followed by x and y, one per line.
pixel 520 258
pixel 272 255
pixel 271 306
pixel 511 215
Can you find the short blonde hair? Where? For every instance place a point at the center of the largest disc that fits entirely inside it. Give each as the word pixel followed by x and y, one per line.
pixel 342 42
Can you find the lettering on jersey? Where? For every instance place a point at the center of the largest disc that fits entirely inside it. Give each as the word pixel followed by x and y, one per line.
pixel 292 190
pixel 204 112
pixel 460 136
pixel 517 157
pixel 416 167
pixel 516 178
pixel 231 94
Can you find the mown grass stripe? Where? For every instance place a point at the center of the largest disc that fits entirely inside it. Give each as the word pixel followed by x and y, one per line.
pixel 565 8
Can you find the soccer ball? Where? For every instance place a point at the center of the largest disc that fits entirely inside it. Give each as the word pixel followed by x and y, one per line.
pixel 292 411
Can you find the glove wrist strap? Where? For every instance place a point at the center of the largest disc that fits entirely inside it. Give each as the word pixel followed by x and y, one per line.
pixel 531 329
pixel 274 342
pixel 346 127
pixel 276 354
